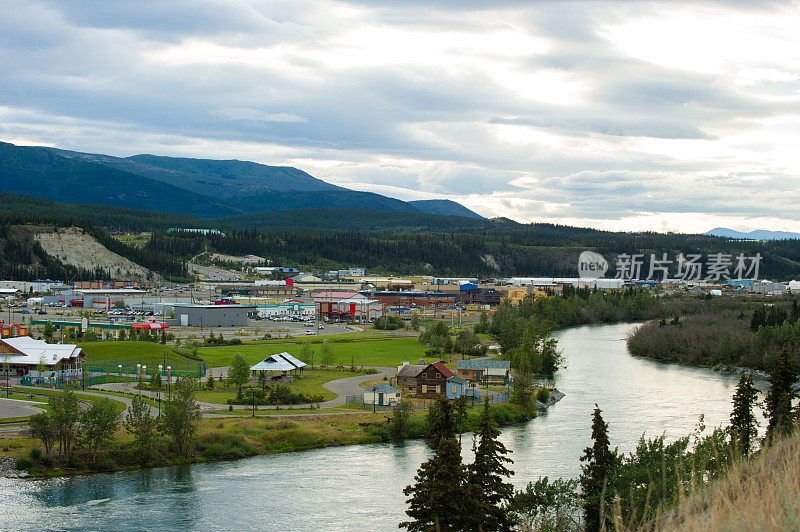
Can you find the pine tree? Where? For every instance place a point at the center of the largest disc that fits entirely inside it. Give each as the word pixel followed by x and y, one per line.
pixel 489 494
pixel 780 395
pixel 596 475
pixel 743 420
pixel 437 498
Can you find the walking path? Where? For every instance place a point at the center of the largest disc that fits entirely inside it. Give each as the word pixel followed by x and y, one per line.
pixel 341 387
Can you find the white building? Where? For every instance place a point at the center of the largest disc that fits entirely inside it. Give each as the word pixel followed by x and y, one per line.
pixel 24 355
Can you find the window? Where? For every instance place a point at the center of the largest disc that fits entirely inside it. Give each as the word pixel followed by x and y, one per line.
pixel 424 389
pixel 438 389
pixel 454 390
pixel 438 375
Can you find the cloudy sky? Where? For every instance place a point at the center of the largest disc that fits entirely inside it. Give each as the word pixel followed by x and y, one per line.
pixel 669 115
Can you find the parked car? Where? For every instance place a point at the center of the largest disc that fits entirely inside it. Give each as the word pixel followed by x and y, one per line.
pixel 310 333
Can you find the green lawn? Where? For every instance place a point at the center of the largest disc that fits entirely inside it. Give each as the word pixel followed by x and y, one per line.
pixel 363 353
pixel 310 383
pixel 131 353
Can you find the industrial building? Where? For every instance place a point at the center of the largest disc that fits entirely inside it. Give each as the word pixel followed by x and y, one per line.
pixel 213 315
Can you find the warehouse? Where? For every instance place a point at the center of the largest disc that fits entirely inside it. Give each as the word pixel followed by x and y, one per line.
pixel 213 315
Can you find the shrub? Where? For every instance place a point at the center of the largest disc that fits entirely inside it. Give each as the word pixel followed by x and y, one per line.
pixel 220 447
pixel 36 454
pixel 23 464
pixel 543 395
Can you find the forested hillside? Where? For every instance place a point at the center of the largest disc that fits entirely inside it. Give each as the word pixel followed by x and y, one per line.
pixel 391 242
pixel 22 257
pixel 207 188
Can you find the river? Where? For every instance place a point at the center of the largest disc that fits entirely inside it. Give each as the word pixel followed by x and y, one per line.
pixel 360 487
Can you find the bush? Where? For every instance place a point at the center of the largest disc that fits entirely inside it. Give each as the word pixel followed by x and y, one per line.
pixel 389 323
pixel 36 454
pixel 23 464
pixel 216 446
pixel 543 395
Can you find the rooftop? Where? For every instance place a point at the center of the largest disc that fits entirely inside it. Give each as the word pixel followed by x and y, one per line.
pixel 483 363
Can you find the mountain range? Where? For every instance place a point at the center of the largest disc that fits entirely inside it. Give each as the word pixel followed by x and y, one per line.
pixel 205 188
pixel 758 234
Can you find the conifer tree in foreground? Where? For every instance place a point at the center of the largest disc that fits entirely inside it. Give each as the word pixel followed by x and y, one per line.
pixel 744 425
pixel 489 494
pixel 780 395
pixel 438 496
pixel 596 474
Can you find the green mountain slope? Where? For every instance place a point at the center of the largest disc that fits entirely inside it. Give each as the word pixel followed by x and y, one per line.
pixel 252 187
pixel 448 207
pixel 45 174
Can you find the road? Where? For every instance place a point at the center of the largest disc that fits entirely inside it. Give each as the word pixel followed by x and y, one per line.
pixel 341 387
pixel 212 273
pixel 17 408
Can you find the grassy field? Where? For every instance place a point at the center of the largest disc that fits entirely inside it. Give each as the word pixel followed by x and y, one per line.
pixel 362 353
pixel 132 353
pixel 310 383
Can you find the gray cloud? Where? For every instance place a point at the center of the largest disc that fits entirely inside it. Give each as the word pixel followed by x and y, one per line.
pixel 99 77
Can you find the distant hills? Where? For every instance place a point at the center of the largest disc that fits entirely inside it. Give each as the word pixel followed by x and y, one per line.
pixel 758 234
pixel 205 188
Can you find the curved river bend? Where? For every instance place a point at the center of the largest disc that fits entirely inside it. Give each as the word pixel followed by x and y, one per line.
pixel 360 487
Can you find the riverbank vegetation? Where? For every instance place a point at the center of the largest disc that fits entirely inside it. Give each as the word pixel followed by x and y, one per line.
pixel 107 441
pixel 723 332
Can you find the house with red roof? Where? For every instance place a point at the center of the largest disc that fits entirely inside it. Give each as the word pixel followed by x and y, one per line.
pixel 432 380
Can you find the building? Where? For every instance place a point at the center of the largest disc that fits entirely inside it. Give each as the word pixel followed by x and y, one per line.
pixel 213 315
pixel 306 278
pixel 406 378
pixel 198 231
pixel 283 362
pixel 472 295
pixel 456 387
pixel 25 356
pixel 432 380
pixel 484 371
pixel 381 394
pixel 355 309
pixel 414 299
pixel 292 307
pixel 12 330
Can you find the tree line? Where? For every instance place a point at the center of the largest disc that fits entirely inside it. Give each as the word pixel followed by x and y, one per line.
pixel 725 332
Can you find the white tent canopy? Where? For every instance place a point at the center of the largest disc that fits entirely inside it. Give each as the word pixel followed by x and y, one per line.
pixel 279 362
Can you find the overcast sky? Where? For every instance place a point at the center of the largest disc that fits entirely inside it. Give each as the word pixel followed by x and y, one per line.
pixel 669 115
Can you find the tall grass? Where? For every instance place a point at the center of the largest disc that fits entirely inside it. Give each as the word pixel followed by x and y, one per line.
pixel 759 494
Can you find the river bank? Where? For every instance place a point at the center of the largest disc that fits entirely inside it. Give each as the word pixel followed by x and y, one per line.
pixel 224 438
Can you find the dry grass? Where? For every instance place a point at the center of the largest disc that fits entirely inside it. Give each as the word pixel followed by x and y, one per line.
pixel 762 494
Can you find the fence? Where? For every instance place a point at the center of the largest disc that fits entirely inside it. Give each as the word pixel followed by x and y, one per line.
pixel 186 368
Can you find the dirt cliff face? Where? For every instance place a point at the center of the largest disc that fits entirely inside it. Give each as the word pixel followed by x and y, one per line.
pixel 73 246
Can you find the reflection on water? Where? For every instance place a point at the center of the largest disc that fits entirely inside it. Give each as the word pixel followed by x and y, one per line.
pixel 360 487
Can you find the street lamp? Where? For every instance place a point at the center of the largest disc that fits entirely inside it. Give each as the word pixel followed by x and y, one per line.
pixel 169 374
pixel 119 370
pixel 139 376
pixel 159 389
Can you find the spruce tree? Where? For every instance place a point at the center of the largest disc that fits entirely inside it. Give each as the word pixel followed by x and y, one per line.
pixel 596 475
pixel 780 395
pixel 743 420
pixel 489 494
pixel 437 498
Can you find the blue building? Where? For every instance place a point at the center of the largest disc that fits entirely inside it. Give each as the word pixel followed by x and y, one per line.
pixel 456 387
